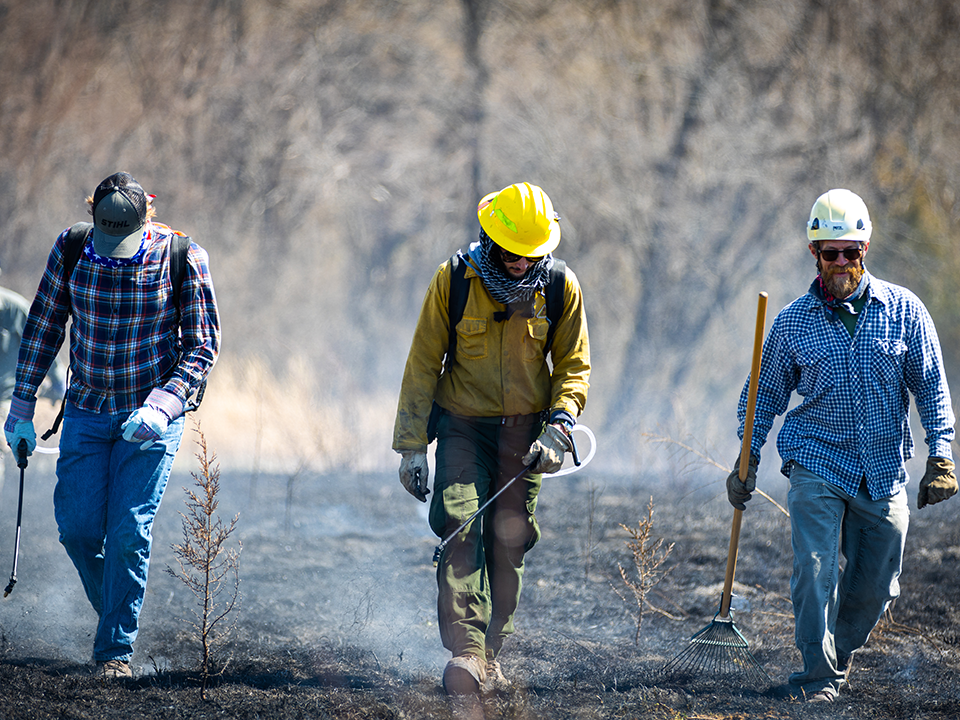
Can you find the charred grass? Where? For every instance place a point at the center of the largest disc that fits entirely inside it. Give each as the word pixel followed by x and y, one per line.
pixel 337 616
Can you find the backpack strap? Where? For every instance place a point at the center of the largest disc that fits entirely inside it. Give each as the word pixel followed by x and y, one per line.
pixel 555 292
pixel 459 292
pixel 179 247
pixel 73 249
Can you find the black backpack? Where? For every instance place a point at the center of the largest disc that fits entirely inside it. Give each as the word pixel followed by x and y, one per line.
pixel 73 249
pixel 460 291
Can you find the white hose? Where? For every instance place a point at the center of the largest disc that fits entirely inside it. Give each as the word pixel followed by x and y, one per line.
pixel 587 459
pixel 47 451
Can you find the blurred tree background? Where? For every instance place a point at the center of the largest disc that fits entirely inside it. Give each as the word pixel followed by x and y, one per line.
pixel 330 154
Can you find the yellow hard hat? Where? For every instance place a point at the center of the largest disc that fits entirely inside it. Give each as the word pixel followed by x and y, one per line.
pixel 839 215
pixel 520 219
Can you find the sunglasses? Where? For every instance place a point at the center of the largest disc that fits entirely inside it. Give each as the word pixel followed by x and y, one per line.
pixel 850 254
pixel 509 257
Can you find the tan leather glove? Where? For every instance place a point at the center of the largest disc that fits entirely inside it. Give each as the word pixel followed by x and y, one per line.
pixel 738 492
pixel 546 454
pixel 938 483
pixel 414 473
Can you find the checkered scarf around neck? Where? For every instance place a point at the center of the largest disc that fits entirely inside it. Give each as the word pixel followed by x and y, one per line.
pixel 503 288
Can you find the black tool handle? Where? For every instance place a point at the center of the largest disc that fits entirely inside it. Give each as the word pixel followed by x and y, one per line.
pixel 22 454
pixel 22 464
pixel 573 449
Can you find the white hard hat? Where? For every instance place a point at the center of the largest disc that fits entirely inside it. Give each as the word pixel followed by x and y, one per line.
pixel 839 215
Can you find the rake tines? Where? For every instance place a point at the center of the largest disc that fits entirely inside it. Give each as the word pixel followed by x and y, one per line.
pixel 720 649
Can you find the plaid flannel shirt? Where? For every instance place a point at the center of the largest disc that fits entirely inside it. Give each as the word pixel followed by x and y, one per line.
pixel 853 420
pixel 124 338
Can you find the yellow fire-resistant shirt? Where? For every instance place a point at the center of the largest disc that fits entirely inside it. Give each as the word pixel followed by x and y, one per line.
pixel 499 368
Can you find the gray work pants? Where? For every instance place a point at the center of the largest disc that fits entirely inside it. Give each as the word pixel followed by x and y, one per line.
pixel 847 557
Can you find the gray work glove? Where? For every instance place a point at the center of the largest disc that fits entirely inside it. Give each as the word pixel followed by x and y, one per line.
pixel 938 483
pixel 738 491
pixel 414 473
pixel 546 454
pixel 147 424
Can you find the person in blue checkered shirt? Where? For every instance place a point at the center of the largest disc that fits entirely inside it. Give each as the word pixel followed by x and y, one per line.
pixel 854 348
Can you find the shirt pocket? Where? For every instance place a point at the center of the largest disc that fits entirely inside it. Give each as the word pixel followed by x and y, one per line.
pixel 814 371
pixel 472 339
pixel 535 339
pixel 887 361
pixel 149 310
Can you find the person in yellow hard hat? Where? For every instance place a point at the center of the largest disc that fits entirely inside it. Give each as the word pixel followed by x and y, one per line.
pixel 500 411
pixel 852 347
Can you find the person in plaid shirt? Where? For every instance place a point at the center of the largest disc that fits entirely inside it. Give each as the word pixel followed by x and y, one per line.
pixel 135 359
pixel 852 348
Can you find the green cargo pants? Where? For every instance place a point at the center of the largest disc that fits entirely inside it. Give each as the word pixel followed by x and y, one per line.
pixel 481 570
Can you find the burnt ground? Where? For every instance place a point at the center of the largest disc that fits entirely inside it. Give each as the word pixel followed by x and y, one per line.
pixel 337 616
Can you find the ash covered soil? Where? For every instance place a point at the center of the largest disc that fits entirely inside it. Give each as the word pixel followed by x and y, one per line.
pixel 337 617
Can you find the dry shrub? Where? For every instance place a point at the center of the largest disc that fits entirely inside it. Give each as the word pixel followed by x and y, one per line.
pixel 647 558
pixel 207 567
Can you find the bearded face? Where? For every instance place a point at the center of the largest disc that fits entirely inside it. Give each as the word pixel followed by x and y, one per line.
pixel 841 275
pixel 842 282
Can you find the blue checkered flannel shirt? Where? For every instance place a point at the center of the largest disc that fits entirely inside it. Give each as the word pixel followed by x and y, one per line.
pixel 853 420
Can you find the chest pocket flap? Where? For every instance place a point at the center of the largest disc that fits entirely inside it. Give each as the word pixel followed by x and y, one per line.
pixel 535 340
pixel 472 338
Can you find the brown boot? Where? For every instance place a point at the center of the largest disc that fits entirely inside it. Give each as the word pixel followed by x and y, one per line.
pixel 496 682
pixel 112 669
pixel 464 675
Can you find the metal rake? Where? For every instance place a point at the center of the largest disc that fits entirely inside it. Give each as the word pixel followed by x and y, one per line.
pixel 720 647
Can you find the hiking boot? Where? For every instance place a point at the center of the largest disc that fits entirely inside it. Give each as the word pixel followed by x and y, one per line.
pixel 464 675
pixel 495 683
pixel 114 669
pixel 845 665
pixel 821 696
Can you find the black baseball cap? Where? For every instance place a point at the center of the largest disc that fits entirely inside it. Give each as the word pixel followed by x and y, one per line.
pixel 119 211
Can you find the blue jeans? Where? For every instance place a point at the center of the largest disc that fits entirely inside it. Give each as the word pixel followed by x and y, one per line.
pixel 108 492
pixel 836 608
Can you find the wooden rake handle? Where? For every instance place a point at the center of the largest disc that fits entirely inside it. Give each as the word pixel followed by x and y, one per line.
pixel 744 454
